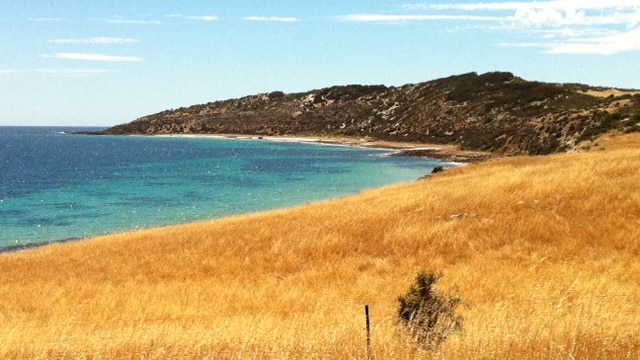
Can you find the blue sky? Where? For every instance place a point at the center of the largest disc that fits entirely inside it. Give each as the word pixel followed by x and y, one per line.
pixel 109 62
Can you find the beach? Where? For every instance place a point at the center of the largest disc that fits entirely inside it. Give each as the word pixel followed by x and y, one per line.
pixel 445 152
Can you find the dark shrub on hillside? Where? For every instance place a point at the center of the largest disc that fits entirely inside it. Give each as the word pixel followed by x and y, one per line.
pixel 276 95
pixel 350 92
pixel 497 77
pixel 426 315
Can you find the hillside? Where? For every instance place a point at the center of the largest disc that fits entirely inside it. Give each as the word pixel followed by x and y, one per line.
pixel 496 112
pixel 542 250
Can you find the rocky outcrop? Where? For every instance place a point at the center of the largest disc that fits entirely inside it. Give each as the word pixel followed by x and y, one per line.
pixel 496 112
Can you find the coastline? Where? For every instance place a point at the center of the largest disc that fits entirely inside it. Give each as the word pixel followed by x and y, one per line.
pixel 445 152
pixel 389 149
pixel 34 245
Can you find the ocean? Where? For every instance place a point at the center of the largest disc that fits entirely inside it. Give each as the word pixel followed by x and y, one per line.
pixel 55 185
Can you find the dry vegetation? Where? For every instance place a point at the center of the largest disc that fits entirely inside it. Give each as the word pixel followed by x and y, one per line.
pixel 609 92
pixel 544 252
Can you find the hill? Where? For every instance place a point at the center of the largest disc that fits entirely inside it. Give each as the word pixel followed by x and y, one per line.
pixel 496 112
pixel 542 250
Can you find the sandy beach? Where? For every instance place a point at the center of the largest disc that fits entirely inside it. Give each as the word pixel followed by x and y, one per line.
pixel 433 151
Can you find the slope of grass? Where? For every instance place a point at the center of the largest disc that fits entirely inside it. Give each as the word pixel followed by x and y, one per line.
pixel 544 252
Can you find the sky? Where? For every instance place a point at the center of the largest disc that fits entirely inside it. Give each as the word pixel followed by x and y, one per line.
pixel 102 63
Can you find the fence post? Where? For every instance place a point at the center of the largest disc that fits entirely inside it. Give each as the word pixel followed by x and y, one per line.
pixel 368 324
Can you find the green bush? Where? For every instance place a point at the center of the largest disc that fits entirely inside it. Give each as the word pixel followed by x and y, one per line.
pixel 622 120
pixel 428 316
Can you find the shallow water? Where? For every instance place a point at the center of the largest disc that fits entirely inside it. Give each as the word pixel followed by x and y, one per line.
pixel 54 185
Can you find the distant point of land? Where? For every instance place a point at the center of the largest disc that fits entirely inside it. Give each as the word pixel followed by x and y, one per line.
pixel 496 112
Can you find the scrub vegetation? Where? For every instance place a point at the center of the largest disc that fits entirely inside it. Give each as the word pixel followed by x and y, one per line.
pixel 543 251
pixel 495 111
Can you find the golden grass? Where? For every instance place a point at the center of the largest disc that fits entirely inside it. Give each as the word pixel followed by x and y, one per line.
pixel 544 251
pixel 609 92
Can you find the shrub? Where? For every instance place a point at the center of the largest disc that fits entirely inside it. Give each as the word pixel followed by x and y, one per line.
pixel 275 95
pixel 426 315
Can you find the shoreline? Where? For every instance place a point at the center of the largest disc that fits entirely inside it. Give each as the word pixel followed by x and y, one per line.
pixel 34 245
pixel 445 152
pixel 448 153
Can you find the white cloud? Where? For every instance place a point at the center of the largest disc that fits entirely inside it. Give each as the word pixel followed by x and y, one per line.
pixel 514 5
pixel 94 57
pixel 8 71
pixel 610 44
pixel 95 40
pixel 570 33
pixel 550 13
pixel 382 18
pixel 131 22
pixel 208 18
pixel 524 45
pixel 558 26
pixel 604 45
pixel 272 18
pixel 204 18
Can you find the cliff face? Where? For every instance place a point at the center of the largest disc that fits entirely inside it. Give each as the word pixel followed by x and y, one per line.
pixel 496 112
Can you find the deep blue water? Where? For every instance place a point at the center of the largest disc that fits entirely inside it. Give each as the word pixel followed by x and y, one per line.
pixel 55 185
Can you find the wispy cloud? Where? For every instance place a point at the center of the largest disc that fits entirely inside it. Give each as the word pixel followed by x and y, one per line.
pixel 383 18
pixel 207 18
pixel 604 45
pixel 118 21
pixel 515 5
pixel 204 18
pixel 558 26
pixel 8 71
pixel 272 18
pixel 95 40
pixel 94 57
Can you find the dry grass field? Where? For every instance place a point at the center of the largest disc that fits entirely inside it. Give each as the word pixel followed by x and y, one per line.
pixel 544 252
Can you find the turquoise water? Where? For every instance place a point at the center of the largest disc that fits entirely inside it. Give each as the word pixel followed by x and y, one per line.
pixel 56 186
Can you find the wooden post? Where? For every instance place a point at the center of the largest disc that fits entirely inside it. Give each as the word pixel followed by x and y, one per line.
pixel 368 324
